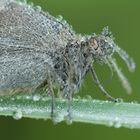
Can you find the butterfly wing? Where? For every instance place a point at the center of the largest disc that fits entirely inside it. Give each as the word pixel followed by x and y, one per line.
pixel 24 54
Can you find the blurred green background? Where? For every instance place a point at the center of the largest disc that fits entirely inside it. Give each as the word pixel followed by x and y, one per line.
pixel 86 17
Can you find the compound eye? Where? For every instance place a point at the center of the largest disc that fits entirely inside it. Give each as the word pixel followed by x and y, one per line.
pixel 93 43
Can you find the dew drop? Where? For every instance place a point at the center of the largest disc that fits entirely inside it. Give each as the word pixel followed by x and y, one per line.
pixel 27 97
pixel 12 99
pixel 65 22
pixel 17 115
pixel 59 18
pixel 88 97
pixel 57 117
pixel 44 98
pixel 36 98
pixel 69 121
pixel 77 97
pixel 134 102
pixel 106 101
pixel 38 8
pixel 31 4
pixel 18 97
pixel 23 1
pixel 119 100
pixel 117 124
pixel 110 124
pixel 101 103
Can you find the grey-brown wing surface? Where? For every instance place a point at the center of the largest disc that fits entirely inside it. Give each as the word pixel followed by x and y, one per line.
pixel 28 40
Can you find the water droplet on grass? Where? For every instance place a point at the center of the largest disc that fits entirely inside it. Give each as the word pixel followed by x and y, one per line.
pixel 44 98
pixel 77 97
pixel 17 115
pixel 119 100
pixel 18 97
pixel 110 124
pixel 27 97
pixel 117 124
pixel 88 97
pixel 134 102
pixel 57 117
pixel 12 98
pixel 36 98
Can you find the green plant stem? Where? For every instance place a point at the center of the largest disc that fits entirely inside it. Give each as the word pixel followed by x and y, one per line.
pixel 83 110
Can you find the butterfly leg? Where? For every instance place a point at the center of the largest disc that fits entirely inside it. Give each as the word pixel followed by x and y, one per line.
pixel 96 80
pixel 68 96
pixel 51 93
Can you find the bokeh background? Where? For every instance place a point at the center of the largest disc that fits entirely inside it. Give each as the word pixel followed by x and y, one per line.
pixel 86 17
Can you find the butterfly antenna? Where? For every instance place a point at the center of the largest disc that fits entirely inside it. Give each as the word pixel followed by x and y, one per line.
pixel 123 79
